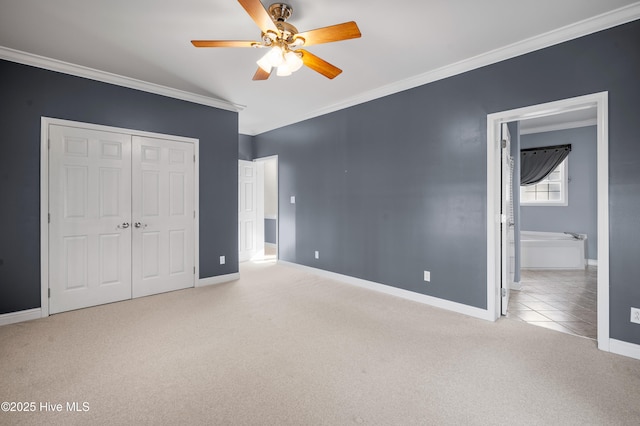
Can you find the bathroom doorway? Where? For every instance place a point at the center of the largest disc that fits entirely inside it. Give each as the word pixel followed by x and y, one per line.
pixel 556 222
pixel 495 216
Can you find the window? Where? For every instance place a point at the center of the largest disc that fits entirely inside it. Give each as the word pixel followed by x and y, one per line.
pixel 551 191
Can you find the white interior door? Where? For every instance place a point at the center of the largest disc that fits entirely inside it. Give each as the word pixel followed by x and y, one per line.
pixel 90 218
pixel 507 219
pixel 163 215
pixel 247 210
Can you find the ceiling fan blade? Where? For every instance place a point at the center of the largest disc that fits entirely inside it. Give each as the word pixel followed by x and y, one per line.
pixel 261 75
pixel 319 65
pixel 344 31
pixel 223 43
pixel 259 14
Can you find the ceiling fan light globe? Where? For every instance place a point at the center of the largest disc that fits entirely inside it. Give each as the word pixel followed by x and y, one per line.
pixel 275 56
pixel 265 63
pixel 283 71
pixel 293 61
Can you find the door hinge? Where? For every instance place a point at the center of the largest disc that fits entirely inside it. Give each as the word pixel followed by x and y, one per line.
pixel 194 158
pixel 194 270
pixel 504 292
pixel 504 144
pixel 48 143
pixel 48 217
pixel 194 214
pixel 49 292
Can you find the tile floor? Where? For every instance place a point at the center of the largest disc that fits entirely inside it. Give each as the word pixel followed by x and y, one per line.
pixel 564 301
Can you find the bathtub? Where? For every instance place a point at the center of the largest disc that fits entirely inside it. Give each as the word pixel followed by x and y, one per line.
pixel 551 250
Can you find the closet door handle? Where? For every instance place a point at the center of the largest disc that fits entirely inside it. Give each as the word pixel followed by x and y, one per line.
pixel 124 225
pixel 140 225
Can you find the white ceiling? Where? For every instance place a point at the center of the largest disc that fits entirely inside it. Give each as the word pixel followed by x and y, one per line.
pixel 404 43
pixel 566 120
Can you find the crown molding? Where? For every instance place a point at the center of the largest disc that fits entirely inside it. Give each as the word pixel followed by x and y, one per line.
pixel 107 77
pixel 573 31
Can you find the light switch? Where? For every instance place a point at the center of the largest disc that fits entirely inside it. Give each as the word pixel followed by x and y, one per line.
pixel 293 199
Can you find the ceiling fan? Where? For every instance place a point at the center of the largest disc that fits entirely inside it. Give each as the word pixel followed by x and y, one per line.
pixel 285 42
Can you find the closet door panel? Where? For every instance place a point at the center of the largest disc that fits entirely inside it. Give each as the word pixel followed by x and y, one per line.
pixel 163 215
pixel 90 208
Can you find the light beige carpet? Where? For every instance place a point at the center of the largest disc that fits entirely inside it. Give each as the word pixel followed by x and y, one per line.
pixel 284 347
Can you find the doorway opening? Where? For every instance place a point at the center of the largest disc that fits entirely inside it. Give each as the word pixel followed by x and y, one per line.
pixel 258 209
pixel 269 187
pixel 497 222
pixel 555 219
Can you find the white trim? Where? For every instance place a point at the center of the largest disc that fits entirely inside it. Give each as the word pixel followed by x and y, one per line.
pixel 20 316
pixel 624 348
pixel 603 220
pixel 592 262
pixel 196 208
pixel 560 126
pixel 220 279
pixel 44 193
pixel 107 77
pixel 132 132
pixel 394 291
pixel 600 101
pixel 44 217
pixel 576 30
pixel 267 158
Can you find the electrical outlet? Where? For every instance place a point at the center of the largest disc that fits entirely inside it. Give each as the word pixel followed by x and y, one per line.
pixel 293 199
pixel 223 260
pixel 427 276
pixel 317 254
pixel 635 315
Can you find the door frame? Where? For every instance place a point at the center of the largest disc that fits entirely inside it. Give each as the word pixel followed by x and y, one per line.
pixel 506 273
pixel 44 194
pixel 600 101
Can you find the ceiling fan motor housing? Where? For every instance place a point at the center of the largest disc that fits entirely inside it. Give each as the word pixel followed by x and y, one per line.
pixel 280 12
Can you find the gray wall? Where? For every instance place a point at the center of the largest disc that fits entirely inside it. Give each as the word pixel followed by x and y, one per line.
pixel 581 215
pixel 270 228
pixel 245 147
pixel 389 188
pixel 28 93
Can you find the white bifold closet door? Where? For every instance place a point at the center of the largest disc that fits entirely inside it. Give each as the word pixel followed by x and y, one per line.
pixel 163 215
pixel 121 217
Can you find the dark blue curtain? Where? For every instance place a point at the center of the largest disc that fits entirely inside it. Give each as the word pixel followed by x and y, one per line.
pixel 537 163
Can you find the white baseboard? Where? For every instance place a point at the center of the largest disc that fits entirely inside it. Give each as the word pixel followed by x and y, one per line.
pixel 398 292
pixel 516 285
pixel 624 348
pixel 271 245
pixel 220 279
pixel 20 316
pixel 592 262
